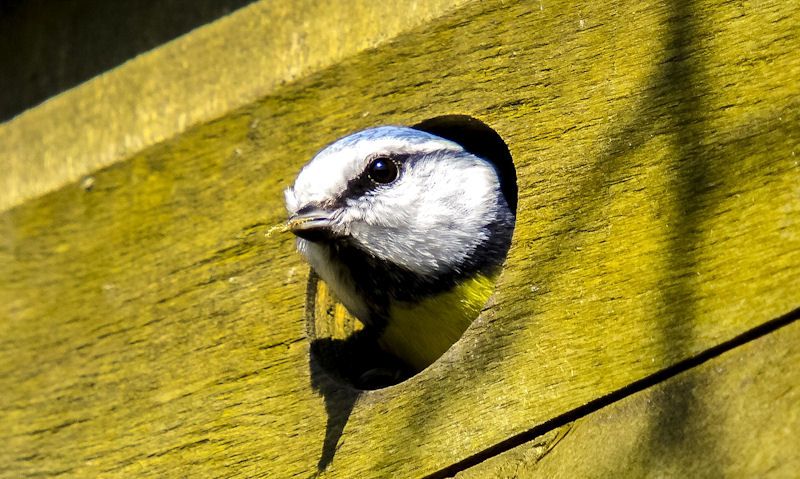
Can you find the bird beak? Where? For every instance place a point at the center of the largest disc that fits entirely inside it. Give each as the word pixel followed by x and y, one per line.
pixel 312 224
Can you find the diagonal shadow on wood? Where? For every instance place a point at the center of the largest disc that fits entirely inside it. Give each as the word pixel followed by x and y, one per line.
pixel 679 83
pixel 672 105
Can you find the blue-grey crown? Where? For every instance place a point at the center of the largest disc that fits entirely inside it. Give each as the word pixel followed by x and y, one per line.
pixel 395 132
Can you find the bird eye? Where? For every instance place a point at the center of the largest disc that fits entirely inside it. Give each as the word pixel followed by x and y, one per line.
pixel 382 170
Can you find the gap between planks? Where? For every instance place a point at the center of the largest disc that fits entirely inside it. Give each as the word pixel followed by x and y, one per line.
pixel 601 402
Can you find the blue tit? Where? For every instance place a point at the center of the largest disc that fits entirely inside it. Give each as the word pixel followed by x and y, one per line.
pixel 408 229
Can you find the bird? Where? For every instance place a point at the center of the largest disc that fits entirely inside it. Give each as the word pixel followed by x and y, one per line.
pixel 408 229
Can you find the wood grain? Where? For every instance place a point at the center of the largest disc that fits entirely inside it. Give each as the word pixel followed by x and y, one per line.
pixel 149 328
pixel 734 416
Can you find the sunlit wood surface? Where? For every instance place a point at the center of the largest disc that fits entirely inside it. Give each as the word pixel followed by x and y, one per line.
pixel 149 328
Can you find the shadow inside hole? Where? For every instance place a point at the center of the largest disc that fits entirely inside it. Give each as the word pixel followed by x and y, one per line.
pixel 481 140
pixel 343 349
pixel 342 354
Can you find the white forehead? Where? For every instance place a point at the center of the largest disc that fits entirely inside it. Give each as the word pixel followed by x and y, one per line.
pixel 327 174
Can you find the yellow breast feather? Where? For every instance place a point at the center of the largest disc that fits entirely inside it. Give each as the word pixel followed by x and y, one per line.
pixel 420 332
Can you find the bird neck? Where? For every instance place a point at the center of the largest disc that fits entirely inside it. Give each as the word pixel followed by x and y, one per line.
pixel 420 332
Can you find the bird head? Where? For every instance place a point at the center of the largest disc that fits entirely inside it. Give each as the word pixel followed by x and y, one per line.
pixel 401 195
pixel 394 213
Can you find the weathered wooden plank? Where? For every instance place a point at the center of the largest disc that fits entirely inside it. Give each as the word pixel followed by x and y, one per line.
pixel 50 46
pixel 149 328
pixel 193 79
pixel 735 416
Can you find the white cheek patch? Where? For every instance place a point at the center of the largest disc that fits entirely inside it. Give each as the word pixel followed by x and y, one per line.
pixel 433 217
pixel 428 221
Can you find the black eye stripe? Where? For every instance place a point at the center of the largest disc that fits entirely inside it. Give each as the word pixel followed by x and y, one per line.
pixel 363 183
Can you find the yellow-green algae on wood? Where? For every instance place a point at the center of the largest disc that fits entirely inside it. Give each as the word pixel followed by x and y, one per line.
pixel 150 329
pixel 193 79
pixel 735 416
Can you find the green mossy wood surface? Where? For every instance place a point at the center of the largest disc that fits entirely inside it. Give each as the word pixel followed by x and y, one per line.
pixel 148 327
pixel 735 416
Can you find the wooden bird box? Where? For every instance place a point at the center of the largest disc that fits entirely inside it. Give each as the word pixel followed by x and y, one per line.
pixel 644 323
